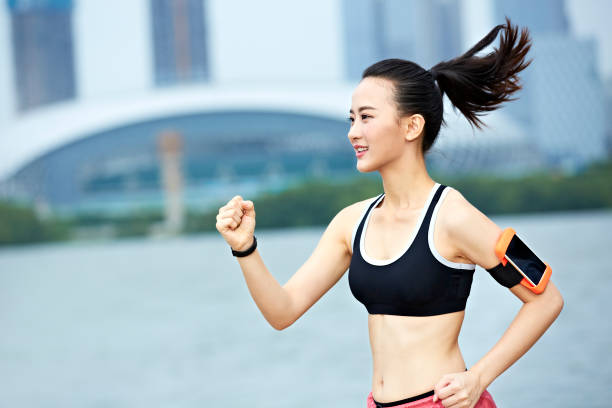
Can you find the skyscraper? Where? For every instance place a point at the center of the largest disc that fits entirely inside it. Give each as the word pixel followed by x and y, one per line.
pixel 568 101
pixel 559 86
pixel 546 17
pixel 425 32
pixel 542 16
pixel 179 41
pixel 361 36
pixel 42 51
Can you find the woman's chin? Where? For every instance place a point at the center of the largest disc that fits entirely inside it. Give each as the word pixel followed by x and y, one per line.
pixel 363 168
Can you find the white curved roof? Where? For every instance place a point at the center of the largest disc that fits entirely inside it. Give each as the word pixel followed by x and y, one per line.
pixel 47 129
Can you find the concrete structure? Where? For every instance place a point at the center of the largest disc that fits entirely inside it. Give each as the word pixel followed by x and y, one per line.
pixel 170 150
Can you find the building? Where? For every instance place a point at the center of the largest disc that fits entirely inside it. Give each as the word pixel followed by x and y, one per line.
pixel 254 139
pixel 560 85
pixel 425 32
pixel 568 101
pixel 42 51
pixel 542 16
pixel 253 114
pixel 179 41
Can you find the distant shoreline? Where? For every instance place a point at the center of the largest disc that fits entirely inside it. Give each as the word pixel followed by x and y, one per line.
pixel 315 202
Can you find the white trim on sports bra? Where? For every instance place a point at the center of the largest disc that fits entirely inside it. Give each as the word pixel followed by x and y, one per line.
pixel 365 208
pixel 430 239
pixel 374 261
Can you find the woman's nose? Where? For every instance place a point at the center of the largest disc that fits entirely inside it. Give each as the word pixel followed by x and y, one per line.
pixel 354 132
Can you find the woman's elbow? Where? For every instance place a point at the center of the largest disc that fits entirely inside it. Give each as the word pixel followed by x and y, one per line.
pixel 280 324
pixel 558 303
pixel 555 301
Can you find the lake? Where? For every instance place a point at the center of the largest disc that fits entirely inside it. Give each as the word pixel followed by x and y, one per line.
pixel 170 323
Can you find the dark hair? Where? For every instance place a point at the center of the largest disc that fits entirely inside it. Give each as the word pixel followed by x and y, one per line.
pixel 473 84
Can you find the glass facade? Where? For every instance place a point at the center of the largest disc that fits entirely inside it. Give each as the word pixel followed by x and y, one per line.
pixel 560 85
pixel 541 17
pixel 179 41
pixel 425 32
pixel 119 169
pixel 568 101
pixel 42 51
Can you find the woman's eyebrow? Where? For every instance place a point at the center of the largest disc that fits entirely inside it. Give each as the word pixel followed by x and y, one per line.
pixel 363 108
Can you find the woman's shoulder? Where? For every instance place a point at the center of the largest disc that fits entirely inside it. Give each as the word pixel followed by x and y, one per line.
pixel 353 212
pixel 455 200
pixel 350 216
pixel 455 210
pixel 472 233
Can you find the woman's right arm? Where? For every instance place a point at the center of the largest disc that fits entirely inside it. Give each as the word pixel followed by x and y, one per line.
pixel 283 305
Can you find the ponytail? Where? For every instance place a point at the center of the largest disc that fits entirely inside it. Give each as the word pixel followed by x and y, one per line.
pixel 474 85
pixel 480 84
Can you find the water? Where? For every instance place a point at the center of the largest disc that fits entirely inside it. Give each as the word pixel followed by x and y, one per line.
pixel 170 323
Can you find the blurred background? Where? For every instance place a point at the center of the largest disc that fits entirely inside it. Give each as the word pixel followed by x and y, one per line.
pixel 125 125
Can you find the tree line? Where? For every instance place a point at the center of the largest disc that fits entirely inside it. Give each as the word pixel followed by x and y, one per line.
pixel 314 202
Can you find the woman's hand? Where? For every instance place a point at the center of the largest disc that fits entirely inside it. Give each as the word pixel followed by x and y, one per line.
pixel 458 390
pixel 236 223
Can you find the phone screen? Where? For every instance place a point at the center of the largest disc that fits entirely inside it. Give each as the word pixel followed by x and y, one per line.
pixel 527 263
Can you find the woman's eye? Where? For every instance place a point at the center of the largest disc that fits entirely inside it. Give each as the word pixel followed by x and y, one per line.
pixel 363 117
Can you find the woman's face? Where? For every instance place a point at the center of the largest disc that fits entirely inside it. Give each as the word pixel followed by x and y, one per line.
pixel 375 124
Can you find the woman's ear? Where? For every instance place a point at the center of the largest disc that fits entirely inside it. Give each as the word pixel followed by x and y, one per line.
pixel 412 126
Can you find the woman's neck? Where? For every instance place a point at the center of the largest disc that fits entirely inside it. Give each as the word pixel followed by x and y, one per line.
pixel 406 183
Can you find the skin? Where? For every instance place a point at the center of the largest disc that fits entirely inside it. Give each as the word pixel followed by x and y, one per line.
pixel 410 354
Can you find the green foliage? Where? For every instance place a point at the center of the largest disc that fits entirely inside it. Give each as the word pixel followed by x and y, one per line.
pixel 313 203
pixel 539 192
pixel 126 225
pixel 136 225
pixel 20 225
pixel 317 201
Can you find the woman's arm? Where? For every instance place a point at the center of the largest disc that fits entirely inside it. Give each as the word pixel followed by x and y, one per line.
pixel 283 305
pixel 533 319
pixel 475 236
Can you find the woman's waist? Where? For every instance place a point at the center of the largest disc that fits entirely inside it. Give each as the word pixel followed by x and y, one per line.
pixel 399 376
pixel 405 363
pixel 403 338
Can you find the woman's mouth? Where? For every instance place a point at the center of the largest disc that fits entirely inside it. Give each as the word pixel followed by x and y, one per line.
pixel 360 152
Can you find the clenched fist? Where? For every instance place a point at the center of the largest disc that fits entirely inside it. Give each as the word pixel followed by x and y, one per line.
pixel 236 223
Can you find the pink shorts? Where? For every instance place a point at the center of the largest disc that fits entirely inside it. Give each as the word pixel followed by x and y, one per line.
pixel 485 401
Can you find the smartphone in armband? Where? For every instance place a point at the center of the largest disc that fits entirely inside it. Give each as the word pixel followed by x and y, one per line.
pixel 510 248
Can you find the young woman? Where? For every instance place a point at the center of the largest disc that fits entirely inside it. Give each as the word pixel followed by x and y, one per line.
pixel 411 251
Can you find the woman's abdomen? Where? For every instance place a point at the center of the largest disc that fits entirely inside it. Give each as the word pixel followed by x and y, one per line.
pixel 410 354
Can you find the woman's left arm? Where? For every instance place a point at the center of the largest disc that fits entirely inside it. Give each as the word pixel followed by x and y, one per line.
pixel 475 235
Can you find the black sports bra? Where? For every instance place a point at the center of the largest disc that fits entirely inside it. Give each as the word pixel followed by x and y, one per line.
pixel 416 282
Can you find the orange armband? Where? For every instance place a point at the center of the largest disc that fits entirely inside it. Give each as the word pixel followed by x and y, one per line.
pixel 510 248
